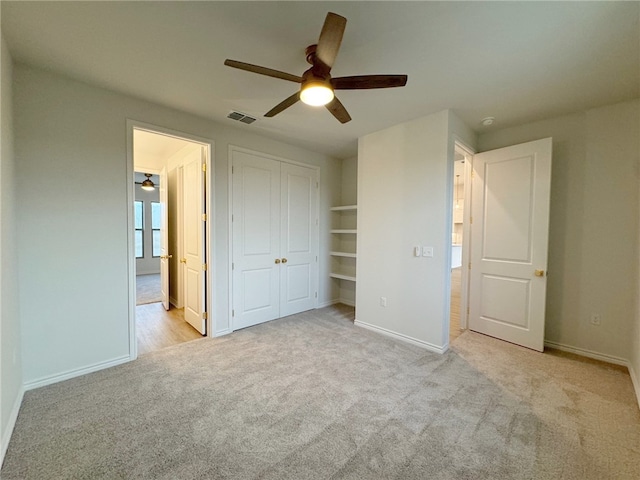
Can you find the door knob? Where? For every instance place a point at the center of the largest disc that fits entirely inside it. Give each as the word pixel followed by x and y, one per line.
pixel 166 257
pixel 277 260
pixel 539 273
pixel 183 260
pixel 284 260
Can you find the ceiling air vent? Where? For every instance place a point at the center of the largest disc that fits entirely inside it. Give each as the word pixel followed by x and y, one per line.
pixel 241 117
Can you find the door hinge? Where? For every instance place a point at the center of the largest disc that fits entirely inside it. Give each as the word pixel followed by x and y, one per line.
pixel 470 219
pixel 317 185
pixel 204 167
pixel 317 222
pixel 316 258
pixel 232 170
pixel 232 218
pixel 316 294
pixel 204 217
pixel 467 310
pixel 469 265
pixel 204 266
pixel 233 266
pixel 473 173
pixel 233 313
pixel 204 315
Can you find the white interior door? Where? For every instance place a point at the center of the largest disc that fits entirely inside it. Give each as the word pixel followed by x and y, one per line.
pixel 164 239
pixel 193 243
pixel 298 239
pixel 509 239
pixel 256 239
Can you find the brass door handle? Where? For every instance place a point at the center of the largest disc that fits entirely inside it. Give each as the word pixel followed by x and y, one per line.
pixel 284 260
pixel 183 260
pixel 277 261
pixel 539 273
pixel 166 257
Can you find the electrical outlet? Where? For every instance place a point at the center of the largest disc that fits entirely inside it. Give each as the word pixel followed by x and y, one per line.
pixel 427 251
pixel 595 319
pixel 383 301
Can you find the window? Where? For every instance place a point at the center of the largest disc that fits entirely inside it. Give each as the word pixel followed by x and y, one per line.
pixel 138 209
pixel 156 219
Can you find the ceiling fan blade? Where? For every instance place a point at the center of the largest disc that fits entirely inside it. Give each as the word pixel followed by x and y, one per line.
pixel 283 105
pixel 263 70
pixel 330 40
pixel 337 110
pixel 369 81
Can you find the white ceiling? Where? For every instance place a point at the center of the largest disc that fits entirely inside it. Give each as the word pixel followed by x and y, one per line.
pixel 516 61
pixel 153 149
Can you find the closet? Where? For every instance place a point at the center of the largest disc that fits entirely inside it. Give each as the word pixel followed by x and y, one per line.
pixel 274 237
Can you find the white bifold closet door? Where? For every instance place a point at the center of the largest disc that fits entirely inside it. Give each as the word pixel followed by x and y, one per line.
pixel 275 239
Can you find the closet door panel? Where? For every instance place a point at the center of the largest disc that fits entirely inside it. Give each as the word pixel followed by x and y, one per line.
pixel 299 239
pixel 256 239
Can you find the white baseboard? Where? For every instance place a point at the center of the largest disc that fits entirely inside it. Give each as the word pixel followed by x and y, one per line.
pixel 635 380
pixel 13 417
pixel 222 333
pixel 351 303
pixel 587 353
pixel 328 303
pixel 149 272
pixel 405 338
pixel 59 377
pixel 174 302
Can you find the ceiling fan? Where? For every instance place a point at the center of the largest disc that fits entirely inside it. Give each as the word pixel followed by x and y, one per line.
pixel 317 86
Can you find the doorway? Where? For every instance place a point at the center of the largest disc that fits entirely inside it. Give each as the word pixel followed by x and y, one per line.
pixel 459 245
pixel 169 238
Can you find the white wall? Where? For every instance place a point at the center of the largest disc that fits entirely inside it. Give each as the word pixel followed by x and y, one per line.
pixel 10 351
pixel 147 264
pixel 349 181
pixel 634 364
pixel 404 200
pixel 75 301
pixel 593 252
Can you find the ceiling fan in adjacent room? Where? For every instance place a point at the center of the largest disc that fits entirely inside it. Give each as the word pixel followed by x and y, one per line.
pixel 317 86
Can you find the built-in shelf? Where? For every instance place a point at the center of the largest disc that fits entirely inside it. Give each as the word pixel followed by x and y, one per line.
pixel 343 264
pixel 344 208
pixel 343 254
pixel 342 277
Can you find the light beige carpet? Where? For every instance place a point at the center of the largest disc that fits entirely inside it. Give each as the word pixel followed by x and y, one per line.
pixel 313 397
pixel 148 289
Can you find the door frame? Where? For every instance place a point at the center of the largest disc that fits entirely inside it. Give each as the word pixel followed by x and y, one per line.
pixel 235 148
pixel 209 242
pixel 468 152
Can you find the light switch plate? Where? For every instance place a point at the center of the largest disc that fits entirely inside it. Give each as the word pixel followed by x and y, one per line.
pixel 427 251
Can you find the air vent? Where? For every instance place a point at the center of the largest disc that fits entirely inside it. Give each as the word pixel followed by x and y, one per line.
pixel 241 117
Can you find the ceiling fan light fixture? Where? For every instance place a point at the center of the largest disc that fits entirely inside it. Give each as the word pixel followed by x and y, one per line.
pixel 148 185
pixel 316 94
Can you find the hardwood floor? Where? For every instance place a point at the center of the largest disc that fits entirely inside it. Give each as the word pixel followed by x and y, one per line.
pixel 454 322
pixel 156 328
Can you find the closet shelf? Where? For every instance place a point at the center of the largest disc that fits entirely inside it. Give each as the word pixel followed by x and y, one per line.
pixel 342 277
pixel 343 254
pixel 344 208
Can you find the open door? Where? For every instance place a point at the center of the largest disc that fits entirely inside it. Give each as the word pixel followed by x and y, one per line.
pixel 509 240
pixel 164 239
pixel 194 228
